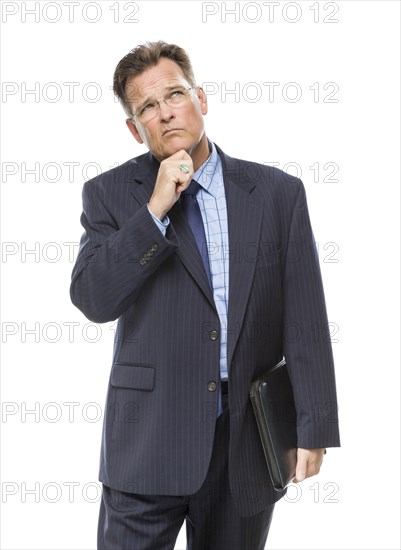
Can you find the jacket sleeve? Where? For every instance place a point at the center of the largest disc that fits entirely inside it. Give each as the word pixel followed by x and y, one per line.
pixel 113 263
pixel 307 345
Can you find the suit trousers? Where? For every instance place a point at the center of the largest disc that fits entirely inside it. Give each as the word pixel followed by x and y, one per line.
pixel 130 521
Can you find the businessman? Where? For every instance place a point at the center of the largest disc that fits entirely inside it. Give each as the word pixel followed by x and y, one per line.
pixel 209 264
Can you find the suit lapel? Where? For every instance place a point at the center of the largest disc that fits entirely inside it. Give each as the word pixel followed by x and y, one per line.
pixel 145 175
pixel 245 214
pixel 187 251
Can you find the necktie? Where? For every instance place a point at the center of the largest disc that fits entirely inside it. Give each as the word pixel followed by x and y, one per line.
pixel 193 216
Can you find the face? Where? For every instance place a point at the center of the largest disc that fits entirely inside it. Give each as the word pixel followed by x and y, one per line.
pixel 172 128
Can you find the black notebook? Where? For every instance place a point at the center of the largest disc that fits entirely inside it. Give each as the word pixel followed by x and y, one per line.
pixel 273 403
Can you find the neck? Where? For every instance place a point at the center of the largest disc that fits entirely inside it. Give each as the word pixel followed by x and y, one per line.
pixel 200 153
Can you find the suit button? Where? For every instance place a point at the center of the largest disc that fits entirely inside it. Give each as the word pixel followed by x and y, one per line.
pixel 153 248
pixel 212 386
pixel 213 335
pixel 142 261
pixel 146 256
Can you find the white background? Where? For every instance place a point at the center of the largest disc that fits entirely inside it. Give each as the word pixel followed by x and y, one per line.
pixel 353 503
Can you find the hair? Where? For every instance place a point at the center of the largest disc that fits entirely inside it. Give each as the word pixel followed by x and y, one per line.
pixel 141 58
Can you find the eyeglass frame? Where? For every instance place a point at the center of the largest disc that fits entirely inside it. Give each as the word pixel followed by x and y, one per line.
pixel 185 92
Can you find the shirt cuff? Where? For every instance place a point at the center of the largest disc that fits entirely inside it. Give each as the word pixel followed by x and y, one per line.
pixel 162 225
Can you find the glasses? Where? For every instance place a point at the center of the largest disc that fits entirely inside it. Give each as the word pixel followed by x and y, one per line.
pixel 177 98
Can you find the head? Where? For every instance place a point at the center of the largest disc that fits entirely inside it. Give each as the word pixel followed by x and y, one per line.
pixel 145 77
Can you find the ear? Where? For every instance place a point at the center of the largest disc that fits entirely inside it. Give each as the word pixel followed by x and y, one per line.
pixel 202 100
pixel 134 130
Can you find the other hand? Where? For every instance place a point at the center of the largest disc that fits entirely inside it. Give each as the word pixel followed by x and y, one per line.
pixel 308 463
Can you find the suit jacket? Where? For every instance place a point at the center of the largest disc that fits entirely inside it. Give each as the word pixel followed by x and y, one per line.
pixel 161 409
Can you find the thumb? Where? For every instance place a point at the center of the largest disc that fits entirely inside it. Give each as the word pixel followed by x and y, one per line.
pixel 301 467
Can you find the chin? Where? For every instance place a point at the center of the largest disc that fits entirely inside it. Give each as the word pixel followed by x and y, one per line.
pixel 176 145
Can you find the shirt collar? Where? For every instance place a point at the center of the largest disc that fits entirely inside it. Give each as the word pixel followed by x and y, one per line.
pixel 209 174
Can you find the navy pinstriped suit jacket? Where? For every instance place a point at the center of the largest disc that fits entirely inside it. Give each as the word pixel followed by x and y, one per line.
pixel 160 414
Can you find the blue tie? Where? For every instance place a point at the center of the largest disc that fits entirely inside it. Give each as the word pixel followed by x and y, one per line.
pixel 193 216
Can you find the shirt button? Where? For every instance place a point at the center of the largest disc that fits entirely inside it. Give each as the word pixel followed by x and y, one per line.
pixel 213 335
pixel 212 386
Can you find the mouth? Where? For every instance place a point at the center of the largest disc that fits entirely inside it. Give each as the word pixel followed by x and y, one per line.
pixel 170 130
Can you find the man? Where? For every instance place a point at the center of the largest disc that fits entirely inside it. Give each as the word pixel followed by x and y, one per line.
pixel 209 264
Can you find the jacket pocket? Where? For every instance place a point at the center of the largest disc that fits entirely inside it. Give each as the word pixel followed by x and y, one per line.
pixel 134 376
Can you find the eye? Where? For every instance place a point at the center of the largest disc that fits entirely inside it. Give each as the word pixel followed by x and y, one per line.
pixel 147 107
pixel 176 93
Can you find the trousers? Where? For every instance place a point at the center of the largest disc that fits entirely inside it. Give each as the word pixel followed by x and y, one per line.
pixel 130 521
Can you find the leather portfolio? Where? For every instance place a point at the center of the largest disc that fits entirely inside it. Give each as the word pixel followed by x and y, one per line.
pixel 273 403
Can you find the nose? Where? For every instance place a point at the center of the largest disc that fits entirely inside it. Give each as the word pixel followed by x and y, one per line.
pixel 166 113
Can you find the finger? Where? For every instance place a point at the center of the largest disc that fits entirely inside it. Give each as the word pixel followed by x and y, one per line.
pixel 177 171
pixel 180 155
pixel 301 466
pixel 180 171
pixel 184 177
pixel 300 471
pixel 183 185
